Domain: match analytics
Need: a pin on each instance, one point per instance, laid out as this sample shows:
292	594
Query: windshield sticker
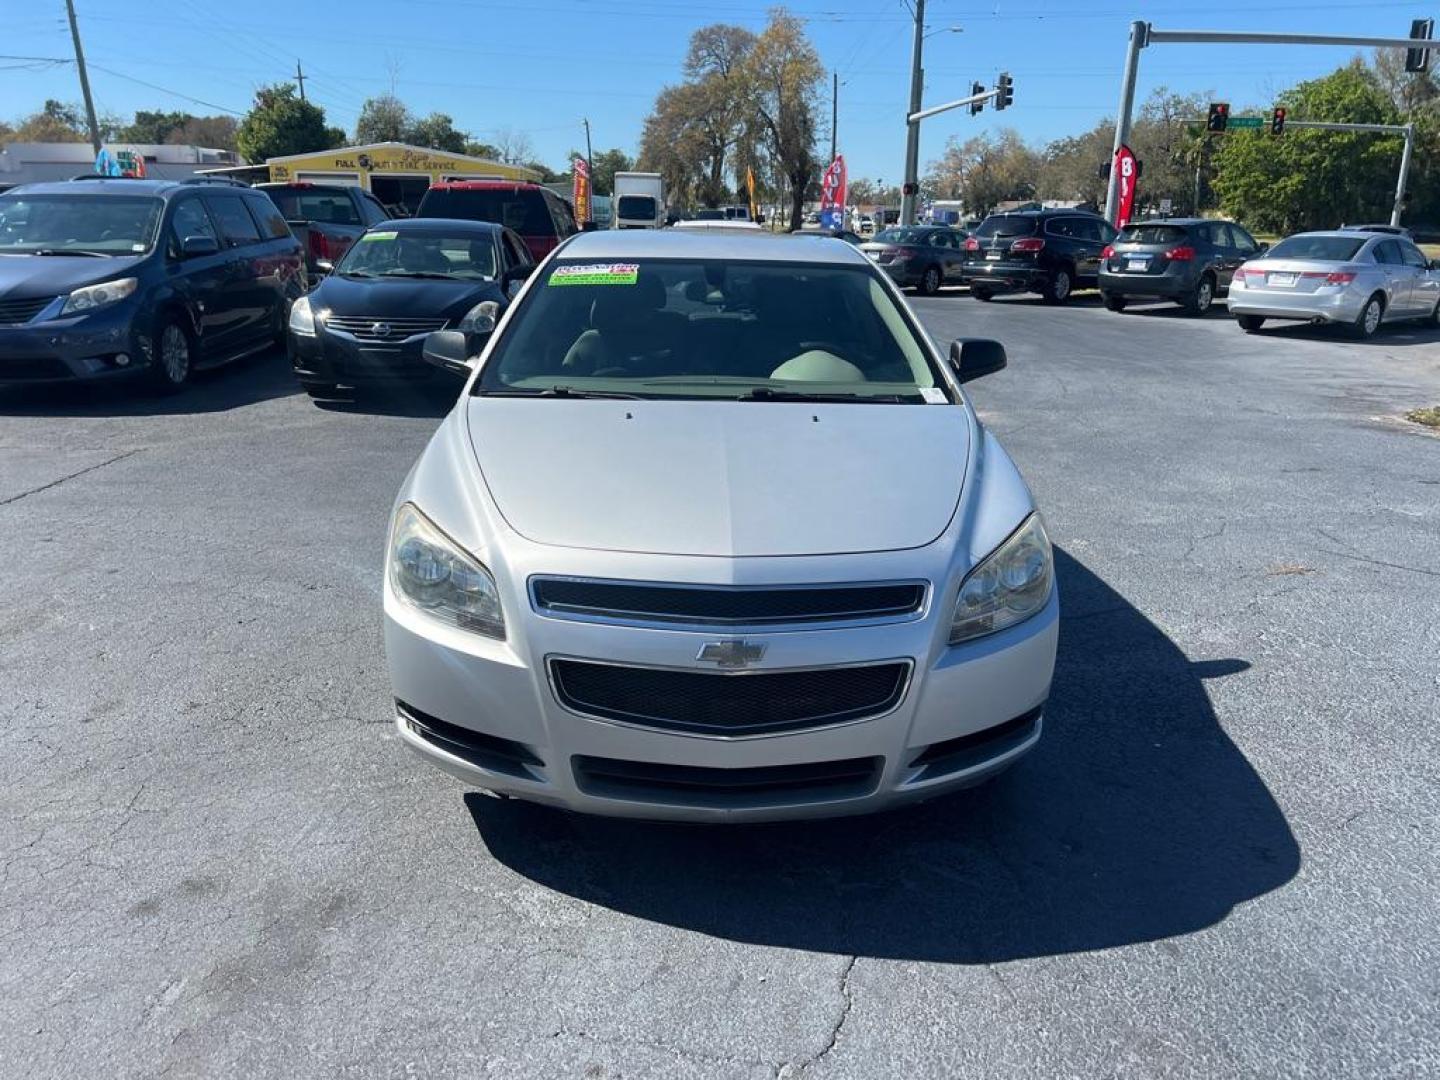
933	395
370	237
596	274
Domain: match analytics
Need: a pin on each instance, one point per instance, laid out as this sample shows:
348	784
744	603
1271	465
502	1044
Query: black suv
1052	252
107	276
1187	260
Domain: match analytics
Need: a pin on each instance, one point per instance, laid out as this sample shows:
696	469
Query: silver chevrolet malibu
713	533
1358	279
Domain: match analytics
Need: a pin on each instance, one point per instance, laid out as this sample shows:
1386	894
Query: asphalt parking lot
1221	862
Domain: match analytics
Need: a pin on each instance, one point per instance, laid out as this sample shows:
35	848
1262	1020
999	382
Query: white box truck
639	201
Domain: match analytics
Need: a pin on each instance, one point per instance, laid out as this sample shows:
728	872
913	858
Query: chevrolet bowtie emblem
731	653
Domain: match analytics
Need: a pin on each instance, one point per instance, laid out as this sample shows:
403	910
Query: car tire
981	294
930	281
1368	321
1434	319
1058	286
1250	323
318	389
1201	298
173	356
1112	302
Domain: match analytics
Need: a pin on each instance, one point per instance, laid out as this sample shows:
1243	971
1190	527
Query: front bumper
336	358
967	712
1335	304
50	349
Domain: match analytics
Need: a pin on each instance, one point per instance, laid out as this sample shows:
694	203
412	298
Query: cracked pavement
216	860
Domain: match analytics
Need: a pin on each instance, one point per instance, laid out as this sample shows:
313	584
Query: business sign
750	191
120	163
582	190
832	194
1125	169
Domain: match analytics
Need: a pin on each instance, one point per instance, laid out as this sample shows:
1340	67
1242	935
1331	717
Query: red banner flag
1125	169
832	194
582	190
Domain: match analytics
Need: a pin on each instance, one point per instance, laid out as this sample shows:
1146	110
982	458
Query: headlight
429	570
481	318
98	296
1008	586
302	320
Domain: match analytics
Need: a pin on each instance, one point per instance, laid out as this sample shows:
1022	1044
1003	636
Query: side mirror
1264	247
1434	264
973	357
193	246
450	350
324	266
514	276
589	226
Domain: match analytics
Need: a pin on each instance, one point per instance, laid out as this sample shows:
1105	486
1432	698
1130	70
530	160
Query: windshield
315	204
1151	234
900	236
636	207
1007	225
1318	248
711	329
710	215
413	253
104	224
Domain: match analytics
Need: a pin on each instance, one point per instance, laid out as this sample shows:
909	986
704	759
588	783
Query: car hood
395	297
25	276
721	478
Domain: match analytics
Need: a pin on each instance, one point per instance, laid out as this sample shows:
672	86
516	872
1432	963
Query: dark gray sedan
1188	260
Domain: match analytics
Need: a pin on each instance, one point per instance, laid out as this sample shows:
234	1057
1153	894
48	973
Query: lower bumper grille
729	703
490	752
688	785
967	751
37	367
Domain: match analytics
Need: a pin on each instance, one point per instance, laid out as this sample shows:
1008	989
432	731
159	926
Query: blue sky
540	65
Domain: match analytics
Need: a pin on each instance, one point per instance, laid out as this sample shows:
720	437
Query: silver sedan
714	533
1356	279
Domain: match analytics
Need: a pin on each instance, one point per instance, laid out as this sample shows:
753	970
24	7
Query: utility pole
590	161
834	112
84	79
300	78
912	135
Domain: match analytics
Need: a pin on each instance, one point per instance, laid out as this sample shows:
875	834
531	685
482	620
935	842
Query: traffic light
1419	59
976	106
1006	87
1219	116
1277	122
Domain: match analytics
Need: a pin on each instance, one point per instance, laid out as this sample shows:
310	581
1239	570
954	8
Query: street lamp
943	30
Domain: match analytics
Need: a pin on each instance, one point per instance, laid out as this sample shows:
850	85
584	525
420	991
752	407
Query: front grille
15	312
691	785
381	327
729	703
628	601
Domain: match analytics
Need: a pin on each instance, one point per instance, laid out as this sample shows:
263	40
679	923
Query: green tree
783	73
436	132
482	150
382	119
605	165
153	127
280	123
55	122
213	131
986	170
1313	179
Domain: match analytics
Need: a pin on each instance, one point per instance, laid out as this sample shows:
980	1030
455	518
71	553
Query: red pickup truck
325	218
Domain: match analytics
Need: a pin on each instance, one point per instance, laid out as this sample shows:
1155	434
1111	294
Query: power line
167	90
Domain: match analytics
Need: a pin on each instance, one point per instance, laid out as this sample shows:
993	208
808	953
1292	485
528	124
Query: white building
27	163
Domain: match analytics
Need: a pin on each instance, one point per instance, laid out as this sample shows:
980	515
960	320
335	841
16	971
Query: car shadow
1161	309
431	399
1085	298
250	381
1389	334
1135	819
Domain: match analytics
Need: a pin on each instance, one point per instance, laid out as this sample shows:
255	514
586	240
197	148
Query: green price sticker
371	237
596	274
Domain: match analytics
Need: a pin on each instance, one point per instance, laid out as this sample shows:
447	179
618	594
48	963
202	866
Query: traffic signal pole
912	132
1142	34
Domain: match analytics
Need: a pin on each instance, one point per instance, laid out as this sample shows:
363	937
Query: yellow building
393	172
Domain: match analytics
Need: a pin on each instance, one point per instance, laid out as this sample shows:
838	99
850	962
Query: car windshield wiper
766	393
357	273
66	251
419	274
560	392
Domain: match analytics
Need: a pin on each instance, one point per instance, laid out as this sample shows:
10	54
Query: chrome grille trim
644	603
364	327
